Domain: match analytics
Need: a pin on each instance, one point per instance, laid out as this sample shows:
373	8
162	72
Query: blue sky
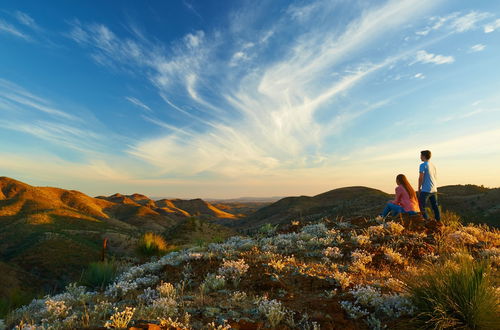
247	98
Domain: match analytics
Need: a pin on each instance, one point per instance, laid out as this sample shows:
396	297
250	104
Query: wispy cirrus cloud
164	68
10	29
48	166
12	93
266	96
24	26
424	57
469	21
27	20
138	103
261	116
304	12
477	48
191	8
455	22
68	136
38	117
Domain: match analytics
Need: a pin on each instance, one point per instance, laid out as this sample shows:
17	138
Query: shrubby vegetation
99	275
455	293
304	275
151	244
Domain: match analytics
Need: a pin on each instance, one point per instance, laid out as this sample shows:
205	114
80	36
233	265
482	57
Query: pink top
403	199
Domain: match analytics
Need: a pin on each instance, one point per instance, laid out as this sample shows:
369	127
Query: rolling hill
49	235
349	201
474	204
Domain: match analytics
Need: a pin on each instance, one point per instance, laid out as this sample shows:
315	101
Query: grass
267	229
16	298
99	274
197	231
151	244
451	219
457	293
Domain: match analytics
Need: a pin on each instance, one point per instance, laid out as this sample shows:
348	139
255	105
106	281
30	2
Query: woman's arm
399	195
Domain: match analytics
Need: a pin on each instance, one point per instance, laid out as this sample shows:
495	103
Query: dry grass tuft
456	293
151	244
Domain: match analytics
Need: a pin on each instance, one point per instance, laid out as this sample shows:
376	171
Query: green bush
98	275
14	299
457	293
151	244
268	229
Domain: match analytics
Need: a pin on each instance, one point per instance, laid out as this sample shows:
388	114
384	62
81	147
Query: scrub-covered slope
329	274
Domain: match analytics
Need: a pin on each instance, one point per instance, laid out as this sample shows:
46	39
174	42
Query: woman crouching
406	200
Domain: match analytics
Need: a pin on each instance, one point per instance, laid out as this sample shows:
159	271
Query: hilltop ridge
352	201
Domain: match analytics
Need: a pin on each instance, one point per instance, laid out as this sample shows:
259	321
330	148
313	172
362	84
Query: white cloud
238	57
488	28
477	48
18	95
194	40
138	103
302	13
455	22
262	118
191	8
419	76
468	21
36	116
107	49
421	33
278	106
12	30
68	136
424	57
27	20
52	169
437	22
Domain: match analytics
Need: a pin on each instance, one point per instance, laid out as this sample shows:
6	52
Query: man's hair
426	154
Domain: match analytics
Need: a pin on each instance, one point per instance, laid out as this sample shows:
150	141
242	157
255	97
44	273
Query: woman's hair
402	180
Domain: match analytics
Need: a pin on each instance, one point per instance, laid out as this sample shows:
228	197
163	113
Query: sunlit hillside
300	262
48	236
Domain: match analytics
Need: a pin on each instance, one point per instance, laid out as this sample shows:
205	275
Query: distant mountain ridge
16	196
177	207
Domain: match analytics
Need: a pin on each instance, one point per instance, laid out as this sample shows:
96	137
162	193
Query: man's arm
420	180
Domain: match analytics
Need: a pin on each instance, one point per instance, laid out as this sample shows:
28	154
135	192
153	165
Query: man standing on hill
427	185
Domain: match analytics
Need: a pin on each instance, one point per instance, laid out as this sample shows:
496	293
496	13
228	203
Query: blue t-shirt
430	183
